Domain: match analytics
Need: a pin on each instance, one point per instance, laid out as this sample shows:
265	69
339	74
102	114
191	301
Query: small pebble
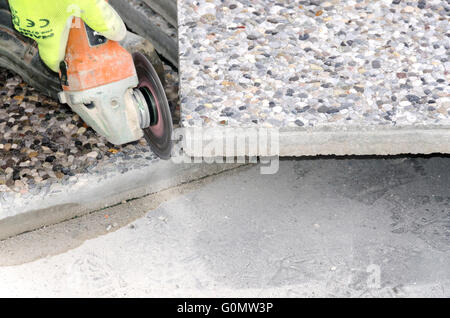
376	64
92	154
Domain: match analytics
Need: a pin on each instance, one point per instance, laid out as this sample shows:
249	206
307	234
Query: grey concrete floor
320	227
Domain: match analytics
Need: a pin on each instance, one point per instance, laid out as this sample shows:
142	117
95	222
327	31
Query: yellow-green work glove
48	22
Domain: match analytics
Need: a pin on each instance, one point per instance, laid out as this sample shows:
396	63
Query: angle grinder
116	93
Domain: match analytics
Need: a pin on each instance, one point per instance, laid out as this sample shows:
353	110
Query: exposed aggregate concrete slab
336	77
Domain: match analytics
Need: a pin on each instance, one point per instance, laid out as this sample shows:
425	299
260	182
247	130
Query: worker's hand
49	22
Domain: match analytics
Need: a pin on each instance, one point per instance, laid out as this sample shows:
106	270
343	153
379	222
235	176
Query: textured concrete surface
320	70
45	144
320	227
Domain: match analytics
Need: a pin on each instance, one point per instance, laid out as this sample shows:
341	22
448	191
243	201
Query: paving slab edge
345	141
95	192
382	142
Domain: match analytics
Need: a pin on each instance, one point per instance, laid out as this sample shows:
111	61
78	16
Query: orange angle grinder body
116	93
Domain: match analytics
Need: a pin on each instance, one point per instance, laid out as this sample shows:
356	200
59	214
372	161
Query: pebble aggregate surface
314	64
45	146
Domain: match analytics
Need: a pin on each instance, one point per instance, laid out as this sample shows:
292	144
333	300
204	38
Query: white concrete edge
94	192
340	142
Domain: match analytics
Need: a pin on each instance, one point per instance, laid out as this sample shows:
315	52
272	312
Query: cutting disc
159	133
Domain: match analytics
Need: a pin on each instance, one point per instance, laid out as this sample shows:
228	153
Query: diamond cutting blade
159	133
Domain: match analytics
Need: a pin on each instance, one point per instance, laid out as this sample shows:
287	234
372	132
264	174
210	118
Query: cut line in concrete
95	192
